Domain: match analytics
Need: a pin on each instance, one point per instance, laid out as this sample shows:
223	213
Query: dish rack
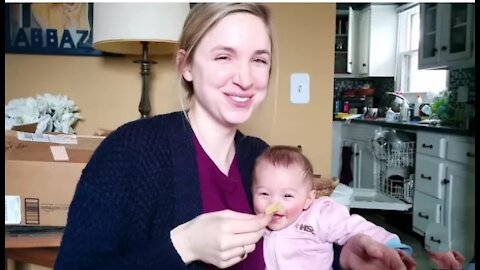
399	155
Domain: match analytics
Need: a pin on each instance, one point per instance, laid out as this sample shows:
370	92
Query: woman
154	194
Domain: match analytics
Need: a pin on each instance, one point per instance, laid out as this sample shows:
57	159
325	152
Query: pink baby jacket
308	242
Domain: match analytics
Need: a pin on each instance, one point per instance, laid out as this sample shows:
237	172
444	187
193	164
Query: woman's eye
260	60
221	58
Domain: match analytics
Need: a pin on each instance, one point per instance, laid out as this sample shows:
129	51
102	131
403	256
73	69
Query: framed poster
49	28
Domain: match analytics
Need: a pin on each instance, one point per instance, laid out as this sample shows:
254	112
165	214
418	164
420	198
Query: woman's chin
237	118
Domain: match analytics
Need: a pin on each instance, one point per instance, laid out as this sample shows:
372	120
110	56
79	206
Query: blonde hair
204	17
285	156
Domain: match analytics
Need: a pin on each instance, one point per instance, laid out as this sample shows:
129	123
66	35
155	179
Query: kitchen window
409	78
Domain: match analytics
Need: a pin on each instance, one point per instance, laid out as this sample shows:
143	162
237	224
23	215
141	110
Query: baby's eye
288	196
263	194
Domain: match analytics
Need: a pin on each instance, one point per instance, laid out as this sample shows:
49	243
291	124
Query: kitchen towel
346	172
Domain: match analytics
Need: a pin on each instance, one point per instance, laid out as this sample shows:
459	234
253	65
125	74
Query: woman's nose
243	76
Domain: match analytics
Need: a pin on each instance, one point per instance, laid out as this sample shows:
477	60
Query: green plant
441	106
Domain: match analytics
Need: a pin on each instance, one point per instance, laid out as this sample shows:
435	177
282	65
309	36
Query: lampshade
119	27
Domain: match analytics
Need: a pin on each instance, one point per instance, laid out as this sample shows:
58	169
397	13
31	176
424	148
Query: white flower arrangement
52	113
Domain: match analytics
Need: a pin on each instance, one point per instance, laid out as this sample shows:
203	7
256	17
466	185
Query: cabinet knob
444	48
445	181
427	146
425	177
434	51
357	154
470	154
435	240
364	65
349	63
422	216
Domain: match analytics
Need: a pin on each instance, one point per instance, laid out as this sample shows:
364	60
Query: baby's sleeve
337	225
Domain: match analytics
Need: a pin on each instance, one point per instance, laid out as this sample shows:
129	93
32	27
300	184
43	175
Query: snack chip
273	208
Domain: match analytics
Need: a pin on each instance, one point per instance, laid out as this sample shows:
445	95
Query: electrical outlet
299	88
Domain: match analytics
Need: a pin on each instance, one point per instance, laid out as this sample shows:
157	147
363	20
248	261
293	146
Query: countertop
411	125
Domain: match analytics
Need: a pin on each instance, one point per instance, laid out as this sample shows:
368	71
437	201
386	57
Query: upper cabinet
377	40
365	46
343	42
446	35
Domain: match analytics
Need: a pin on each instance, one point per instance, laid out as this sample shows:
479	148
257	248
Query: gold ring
244	255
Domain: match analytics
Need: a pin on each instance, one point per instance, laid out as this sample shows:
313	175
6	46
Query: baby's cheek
258	206
295	210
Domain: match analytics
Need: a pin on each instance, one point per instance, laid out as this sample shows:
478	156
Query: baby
303	229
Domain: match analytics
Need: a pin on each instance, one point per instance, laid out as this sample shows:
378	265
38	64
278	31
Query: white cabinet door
429	35
460	208
458	38
352	56
383	40
426	210
377	40
429	174
363	41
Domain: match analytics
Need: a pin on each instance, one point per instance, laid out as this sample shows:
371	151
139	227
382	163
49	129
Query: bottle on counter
346	107
416	106
390	115
336	106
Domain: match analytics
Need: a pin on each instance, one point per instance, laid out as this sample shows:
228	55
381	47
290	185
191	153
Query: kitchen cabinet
446	35
345	41
377	40
444	198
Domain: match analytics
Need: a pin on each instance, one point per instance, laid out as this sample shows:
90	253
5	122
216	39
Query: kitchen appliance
358	102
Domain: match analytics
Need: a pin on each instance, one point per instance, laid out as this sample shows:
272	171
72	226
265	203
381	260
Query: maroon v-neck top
219	192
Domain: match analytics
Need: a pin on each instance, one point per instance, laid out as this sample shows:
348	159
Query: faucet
404	107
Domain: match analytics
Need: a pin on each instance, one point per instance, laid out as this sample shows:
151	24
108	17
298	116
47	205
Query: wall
107	88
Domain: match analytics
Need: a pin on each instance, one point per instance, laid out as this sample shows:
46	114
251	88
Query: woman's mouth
240	99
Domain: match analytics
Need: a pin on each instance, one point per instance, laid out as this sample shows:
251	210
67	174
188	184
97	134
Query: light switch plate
299	88
462	93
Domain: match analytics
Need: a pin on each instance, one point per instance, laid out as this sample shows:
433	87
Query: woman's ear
310	199
182	67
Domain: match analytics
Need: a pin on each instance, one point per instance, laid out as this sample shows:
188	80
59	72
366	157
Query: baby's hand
447	260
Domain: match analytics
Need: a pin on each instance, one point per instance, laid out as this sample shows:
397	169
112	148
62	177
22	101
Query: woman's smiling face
231	68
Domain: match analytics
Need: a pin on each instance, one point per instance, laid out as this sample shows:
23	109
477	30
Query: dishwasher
394	172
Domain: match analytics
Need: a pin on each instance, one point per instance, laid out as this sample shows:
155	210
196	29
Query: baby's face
285	187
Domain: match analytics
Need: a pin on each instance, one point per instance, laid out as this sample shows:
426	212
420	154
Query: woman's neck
216	139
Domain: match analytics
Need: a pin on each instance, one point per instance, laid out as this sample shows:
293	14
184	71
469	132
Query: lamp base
144	106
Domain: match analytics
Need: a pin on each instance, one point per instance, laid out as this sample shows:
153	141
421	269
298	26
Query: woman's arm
110	219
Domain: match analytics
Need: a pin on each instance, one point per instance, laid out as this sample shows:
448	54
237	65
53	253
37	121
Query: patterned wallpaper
380	84
460	77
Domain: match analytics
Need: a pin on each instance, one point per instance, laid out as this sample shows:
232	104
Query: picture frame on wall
50	28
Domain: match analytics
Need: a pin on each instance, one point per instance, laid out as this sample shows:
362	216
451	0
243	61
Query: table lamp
139	28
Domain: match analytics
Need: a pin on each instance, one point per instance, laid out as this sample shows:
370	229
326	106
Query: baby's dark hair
285	156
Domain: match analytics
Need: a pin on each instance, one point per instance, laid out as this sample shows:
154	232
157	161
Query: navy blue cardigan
141	182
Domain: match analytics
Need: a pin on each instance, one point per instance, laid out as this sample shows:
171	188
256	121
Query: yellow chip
273	208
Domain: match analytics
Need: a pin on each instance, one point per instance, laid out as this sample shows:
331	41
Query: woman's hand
363	253
447	260
221	238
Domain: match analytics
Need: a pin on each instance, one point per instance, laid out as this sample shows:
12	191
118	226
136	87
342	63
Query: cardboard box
41	174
